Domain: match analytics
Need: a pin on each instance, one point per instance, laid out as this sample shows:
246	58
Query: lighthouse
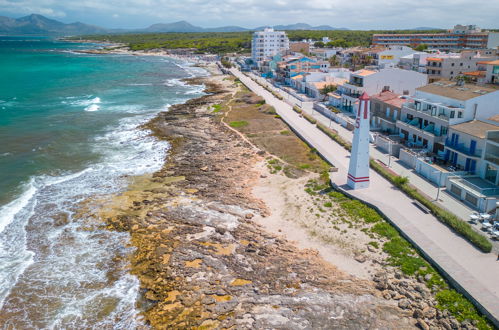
358	171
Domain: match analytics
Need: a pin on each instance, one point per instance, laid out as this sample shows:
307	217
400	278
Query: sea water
69	133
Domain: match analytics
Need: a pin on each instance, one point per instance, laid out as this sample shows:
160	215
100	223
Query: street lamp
389	152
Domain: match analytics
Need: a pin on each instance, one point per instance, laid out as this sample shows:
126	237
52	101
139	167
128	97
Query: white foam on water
92	107
68	280
175	82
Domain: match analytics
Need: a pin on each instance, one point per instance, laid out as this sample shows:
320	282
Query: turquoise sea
69	131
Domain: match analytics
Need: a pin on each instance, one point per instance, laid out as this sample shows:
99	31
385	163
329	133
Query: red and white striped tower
358	171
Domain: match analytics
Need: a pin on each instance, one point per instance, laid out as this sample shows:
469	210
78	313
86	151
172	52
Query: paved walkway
476	272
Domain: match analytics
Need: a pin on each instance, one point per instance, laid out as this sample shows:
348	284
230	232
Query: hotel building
461	37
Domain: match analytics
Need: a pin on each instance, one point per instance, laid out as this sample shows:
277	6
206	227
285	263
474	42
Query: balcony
427	132
475	186
461	148
427	113
493	158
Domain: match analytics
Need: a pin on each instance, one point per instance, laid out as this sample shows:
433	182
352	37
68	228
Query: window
452	72
460	64
459	114
452	114
452	64
443	130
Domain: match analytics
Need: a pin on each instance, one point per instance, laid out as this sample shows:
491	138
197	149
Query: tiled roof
389	97
475	73
475	128
434	59
496	62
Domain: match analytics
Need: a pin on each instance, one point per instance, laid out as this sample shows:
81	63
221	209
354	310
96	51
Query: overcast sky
353	14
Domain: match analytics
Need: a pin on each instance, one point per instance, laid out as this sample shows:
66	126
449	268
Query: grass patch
460	307
285	132
216	108
328	204
304	166
237	124
374	244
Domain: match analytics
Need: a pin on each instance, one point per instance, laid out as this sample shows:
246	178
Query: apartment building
390	57
449	66
474	147
268	43
460	37
416	61
372	82
386	108
433	108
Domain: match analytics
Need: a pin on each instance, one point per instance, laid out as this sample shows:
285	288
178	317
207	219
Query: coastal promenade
476	272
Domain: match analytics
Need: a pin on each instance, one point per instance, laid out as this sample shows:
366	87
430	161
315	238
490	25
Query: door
467	165
472	147
473	166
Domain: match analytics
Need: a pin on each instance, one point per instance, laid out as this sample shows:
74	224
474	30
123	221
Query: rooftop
364	72
496	62
475	128
390	97
451	90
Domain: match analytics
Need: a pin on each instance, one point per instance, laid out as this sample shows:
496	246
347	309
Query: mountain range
40	25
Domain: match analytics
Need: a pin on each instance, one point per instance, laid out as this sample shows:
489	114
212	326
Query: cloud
363	14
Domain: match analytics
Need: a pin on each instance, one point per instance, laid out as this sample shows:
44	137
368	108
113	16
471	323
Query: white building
391	56
415	61
440	104
397	80
268	43
474	147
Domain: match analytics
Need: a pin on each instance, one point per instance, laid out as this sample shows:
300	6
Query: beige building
449	66
386	108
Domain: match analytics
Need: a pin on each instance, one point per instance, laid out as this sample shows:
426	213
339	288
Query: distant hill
38	24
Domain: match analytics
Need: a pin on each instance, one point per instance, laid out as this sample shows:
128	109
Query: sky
358	14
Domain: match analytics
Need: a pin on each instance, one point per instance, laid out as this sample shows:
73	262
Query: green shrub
303	166
374	244
334	136
311	119
328	204
297	109
237	124
286	132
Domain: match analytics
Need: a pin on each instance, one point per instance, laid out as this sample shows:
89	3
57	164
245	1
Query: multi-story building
460	37
391	55
386	108
372	82
416	61
449	66
473	147
268	43
492	72
425	121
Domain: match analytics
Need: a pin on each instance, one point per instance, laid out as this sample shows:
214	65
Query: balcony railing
493	158
463	149
473	188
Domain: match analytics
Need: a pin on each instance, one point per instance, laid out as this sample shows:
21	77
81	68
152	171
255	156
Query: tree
338	43
319	44
355	60
327	89
421	47
333	61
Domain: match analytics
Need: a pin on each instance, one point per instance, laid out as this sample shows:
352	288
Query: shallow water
69	131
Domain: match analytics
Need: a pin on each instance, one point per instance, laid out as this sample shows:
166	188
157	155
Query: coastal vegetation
400	253
235	42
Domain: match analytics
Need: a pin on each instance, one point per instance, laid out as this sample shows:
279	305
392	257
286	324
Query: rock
360	258
445	324
263	176
430	312
420	288
387	295
417	314
404	303
381	285
422	324
204	168
371	248
454	323
249	216
404	284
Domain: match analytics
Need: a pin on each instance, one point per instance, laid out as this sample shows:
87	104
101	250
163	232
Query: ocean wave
92	107
175	82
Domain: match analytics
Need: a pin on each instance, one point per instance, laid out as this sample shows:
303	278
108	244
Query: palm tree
333	61
327	89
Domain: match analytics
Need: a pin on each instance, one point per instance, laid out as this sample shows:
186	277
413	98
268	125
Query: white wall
399	81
